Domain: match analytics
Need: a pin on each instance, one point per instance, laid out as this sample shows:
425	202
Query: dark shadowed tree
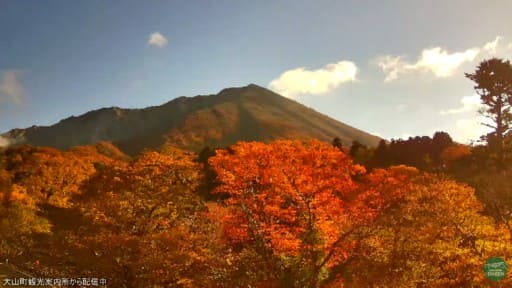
360	153
355	148
493	80
208	183
336	142
440	142
381	156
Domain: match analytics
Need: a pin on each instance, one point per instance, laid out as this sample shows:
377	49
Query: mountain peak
241	88
254	86
248	113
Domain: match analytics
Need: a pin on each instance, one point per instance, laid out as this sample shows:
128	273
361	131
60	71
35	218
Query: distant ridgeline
423	152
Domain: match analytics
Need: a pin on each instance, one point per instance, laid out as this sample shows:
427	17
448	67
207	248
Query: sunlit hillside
249	113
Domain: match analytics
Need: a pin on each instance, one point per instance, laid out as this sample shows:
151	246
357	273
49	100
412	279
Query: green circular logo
495	268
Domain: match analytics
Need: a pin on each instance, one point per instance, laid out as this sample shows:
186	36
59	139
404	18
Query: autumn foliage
298	206
283	214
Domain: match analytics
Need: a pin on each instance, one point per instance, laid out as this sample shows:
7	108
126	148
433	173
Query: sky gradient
392	68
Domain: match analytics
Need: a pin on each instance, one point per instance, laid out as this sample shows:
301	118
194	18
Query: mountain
250	113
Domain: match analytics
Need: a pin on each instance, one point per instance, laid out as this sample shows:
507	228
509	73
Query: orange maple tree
147	225
49	175
297	205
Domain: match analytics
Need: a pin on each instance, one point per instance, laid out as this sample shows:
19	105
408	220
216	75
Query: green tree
493	80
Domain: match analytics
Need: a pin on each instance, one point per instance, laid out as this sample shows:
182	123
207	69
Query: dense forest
418	212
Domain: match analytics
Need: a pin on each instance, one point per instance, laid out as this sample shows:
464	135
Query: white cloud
10	87
470	129
490	47
469	104
435	60
443	64
157	39
299	81
392	66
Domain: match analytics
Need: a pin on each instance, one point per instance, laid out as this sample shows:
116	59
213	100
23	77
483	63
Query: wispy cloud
11	88
470	129
436	60
392	66
298	81
469	104
490	47
157	39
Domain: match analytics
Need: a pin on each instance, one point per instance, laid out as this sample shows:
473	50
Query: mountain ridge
249	113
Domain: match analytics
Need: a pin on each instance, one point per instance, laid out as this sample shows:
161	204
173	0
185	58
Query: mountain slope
235	114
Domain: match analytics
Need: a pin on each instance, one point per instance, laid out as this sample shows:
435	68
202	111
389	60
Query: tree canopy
493	82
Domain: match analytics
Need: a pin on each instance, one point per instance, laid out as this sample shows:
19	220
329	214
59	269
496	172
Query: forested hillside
284	214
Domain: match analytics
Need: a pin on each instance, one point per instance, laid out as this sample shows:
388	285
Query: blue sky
393	68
